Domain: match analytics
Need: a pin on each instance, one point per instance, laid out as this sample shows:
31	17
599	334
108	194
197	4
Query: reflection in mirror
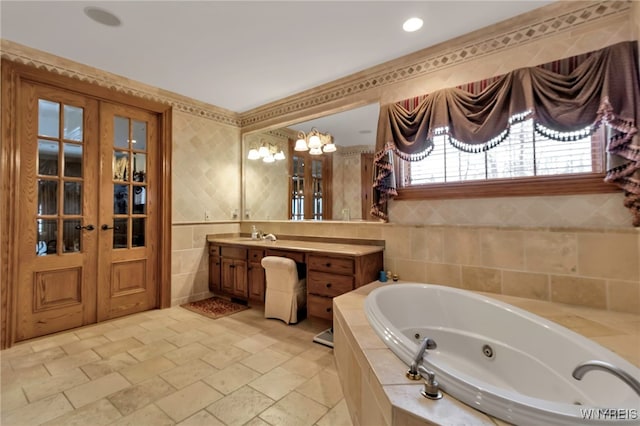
47	158
72	160
267	188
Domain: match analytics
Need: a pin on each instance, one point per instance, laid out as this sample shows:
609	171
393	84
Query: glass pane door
60	178
129	165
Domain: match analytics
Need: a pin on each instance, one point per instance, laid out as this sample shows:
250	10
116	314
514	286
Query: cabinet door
228	275
214	274
240	278
256	281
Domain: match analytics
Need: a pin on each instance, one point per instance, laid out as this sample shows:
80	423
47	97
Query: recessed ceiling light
412	24
102	16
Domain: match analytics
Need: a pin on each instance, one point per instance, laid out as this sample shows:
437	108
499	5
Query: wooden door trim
12	75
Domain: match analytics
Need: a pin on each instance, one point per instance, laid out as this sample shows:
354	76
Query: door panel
128	212
57	211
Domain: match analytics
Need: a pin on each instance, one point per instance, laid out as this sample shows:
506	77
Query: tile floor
173	366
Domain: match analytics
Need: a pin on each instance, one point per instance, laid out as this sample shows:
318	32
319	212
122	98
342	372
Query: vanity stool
285	292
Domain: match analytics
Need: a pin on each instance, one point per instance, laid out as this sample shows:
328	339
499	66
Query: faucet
269	237
580	370
431	386
427	343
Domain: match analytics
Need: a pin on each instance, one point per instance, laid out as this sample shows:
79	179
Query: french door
87	211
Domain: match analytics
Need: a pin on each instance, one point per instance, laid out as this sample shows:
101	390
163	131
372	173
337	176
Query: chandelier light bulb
301	145
330	147
269	158
253	154
314	141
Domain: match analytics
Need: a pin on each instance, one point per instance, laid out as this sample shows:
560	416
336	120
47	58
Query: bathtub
500	359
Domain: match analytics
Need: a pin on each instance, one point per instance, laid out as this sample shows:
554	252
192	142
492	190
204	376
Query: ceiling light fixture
102	16
315	142
412	24
267	152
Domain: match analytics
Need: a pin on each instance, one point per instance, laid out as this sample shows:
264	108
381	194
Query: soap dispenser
254	232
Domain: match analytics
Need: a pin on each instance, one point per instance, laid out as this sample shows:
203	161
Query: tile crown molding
432	59
25	55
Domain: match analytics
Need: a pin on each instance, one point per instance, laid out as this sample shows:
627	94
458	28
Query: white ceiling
240	54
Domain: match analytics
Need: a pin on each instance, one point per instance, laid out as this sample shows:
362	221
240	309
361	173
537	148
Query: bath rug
214	307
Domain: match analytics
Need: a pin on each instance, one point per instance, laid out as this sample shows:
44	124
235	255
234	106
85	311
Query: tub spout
581	370
427	343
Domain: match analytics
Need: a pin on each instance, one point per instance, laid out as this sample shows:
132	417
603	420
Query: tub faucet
427	343
431	386
580	371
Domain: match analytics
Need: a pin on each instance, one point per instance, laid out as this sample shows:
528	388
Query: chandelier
267	152
315	142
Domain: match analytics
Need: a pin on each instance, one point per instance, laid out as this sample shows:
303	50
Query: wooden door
58	235
128	211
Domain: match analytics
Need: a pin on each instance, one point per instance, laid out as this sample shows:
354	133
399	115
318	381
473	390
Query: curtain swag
603	88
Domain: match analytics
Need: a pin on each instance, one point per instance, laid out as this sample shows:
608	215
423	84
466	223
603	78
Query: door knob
88	227
105	227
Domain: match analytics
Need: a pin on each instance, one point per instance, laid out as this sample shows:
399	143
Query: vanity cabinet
329	276
215	267
256	276
234	271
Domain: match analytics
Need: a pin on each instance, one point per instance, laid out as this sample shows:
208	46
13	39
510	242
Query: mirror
267	186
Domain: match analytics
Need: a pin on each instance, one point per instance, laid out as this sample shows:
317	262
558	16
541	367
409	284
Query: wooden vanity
332	268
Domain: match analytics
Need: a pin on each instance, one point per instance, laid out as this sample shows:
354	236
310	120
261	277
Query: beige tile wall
189	260
206	169
598	268
266	185
346	183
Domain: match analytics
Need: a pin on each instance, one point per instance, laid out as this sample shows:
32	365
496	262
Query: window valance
603	88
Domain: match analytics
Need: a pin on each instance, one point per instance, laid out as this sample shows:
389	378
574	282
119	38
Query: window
525	156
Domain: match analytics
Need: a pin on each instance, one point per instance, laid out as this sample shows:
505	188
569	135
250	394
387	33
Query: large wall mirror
280	183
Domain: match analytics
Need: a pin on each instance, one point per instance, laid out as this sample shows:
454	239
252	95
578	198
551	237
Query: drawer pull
328	264
328	309
328	285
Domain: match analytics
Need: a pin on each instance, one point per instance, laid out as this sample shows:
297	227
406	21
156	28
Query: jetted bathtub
500	359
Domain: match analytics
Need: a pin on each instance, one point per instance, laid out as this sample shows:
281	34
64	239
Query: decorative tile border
391	73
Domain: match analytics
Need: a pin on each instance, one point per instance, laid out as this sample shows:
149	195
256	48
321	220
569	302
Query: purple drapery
566	96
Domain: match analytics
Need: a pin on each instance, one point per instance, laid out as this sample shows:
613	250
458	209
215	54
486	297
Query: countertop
300	245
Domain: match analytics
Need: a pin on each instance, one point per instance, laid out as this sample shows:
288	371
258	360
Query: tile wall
347	182
598	268
266	185
189	259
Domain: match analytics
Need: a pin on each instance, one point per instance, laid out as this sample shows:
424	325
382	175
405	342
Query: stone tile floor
173	366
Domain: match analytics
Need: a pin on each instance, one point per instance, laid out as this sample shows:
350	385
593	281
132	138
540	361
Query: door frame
11	77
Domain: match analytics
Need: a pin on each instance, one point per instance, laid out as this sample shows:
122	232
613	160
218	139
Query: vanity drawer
320	307
330	285
214	250
255	255
234	252
336	265
293	255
